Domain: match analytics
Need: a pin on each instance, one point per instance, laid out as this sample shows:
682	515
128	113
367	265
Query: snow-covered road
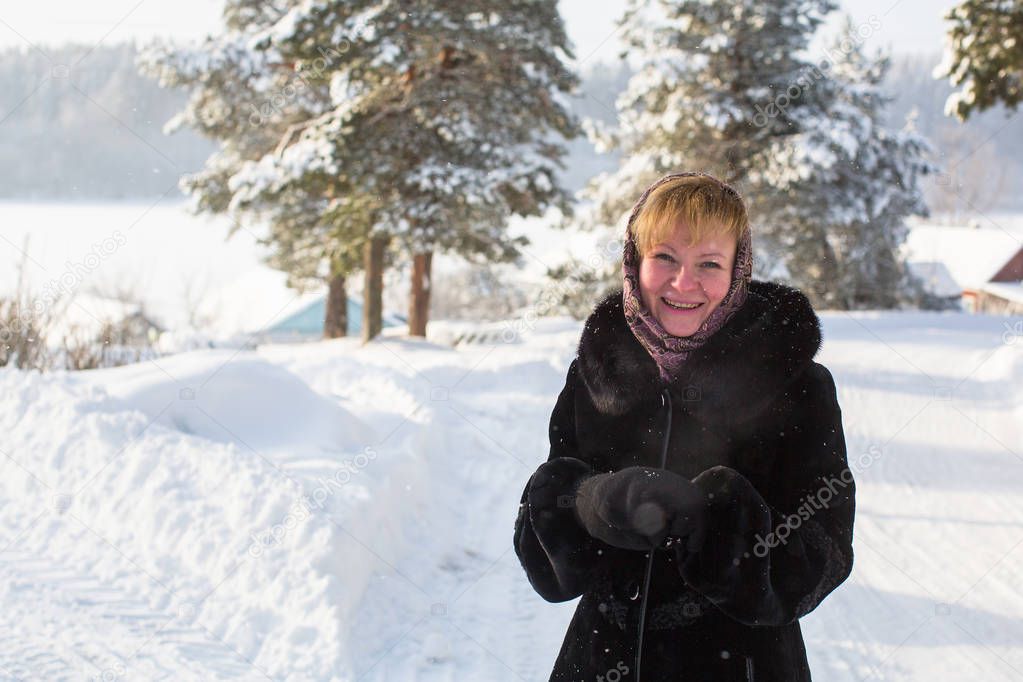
338	512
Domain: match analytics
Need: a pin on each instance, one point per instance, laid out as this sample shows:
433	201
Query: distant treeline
81	123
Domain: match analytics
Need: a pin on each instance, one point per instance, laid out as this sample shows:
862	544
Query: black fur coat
756	424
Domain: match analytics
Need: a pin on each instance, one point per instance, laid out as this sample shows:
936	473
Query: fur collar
735	375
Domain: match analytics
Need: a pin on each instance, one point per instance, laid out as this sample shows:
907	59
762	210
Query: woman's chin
680	325
681	331
677	328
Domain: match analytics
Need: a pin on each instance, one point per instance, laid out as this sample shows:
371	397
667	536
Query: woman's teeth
681	306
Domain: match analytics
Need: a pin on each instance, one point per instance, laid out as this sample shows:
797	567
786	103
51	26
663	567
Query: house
307	323
985	265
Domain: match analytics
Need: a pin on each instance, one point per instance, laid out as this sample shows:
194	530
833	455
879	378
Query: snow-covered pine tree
718	84
434	119
984	56
248	98
846	186
424	123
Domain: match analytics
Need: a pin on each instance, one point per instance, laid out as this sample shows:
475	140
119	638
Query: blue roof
309	320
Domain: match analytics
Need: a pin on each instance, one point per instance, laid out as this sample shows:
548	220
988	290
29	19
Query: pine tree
984	56
846	186
425	124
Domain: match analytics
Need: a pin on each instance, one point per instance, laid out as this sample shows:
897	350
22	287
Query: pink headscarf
670	352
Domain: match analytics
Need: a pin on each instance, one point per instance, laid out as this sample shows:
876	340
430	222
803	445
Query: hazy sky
905	25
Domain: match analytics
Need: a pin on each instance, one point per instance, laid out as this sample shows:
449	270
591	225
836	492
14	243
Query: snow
87	314
335	511
973	255
246	391
271	173
1010	291
165	252
937	277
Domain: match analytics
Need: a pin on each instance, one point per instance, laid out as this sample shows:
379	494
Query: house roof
972	255
309	320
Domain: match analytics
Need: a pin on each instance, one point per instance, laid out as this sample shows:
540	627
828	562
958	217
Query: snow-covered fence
456	333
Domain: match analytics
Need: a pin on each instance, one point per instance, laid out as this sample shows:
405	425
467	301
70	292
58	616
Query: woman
697	493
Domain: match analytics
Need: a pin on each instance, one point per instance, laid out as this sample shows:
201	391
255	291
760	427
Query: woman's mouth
679	307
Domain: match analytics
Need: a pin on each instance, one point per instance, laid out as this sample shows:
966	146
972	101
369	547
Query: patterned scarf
670	352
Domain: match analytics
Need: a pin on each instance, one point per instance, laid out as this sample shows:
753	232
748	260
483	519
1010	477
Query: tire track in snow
59	624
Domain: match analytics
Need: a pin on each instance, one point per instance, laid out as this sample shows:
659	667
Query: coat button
632	590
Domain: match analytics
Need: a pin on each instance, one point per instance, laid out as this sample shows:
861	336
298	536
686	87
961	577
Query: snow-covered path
457	602
154	524
933	407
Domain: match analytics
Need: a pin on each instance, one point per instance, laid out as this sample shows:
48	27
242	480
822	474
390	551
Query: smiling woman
687	265
686	234
693	423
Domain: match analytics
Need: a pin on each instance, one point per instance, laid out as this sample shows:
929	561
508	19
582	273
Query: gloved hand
639	507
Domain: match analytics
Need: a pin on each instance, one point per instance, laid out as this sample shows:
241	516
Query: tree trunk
335	323
419	296
373	290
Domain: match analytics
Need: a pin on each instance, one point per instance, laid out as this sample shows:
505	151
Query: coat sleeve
769	560
555	550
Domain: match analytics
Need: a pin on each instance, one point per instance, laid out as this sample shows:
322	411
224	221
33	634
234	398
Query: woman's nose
685	280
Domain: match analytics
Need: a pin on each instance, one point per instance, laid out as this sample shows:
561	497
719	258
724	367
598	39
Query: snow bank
231	396
220	489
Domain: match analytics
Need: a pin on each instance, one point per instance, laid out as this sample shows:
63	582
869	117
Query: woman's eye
711	264
665	257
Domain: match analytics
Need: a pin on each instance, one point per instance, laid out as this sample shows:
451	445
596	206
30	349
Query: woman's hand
638	507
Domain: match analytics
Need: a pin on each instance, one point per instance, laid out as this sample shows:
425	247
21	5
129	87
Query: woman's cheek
721	285
649	278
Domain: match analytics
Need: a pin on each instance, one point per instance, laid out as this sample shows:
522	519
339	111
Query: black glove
638	507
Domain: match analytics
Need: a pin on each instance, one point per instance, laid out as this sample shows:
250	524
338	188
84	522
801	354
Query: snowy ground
338	512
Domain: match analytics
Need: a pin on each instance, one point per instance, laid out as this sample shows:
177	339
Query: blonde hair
701	201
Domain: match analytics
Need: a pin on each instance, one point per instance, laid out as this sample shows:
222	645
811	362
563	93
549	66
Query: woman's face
673	275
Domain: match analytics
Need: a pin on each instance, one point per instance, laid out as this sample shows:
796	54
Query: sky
904	26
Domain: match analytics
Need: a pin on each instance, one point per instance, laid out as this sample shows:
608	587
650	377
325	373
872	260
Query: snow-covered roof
936	277
972	254
1010	291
